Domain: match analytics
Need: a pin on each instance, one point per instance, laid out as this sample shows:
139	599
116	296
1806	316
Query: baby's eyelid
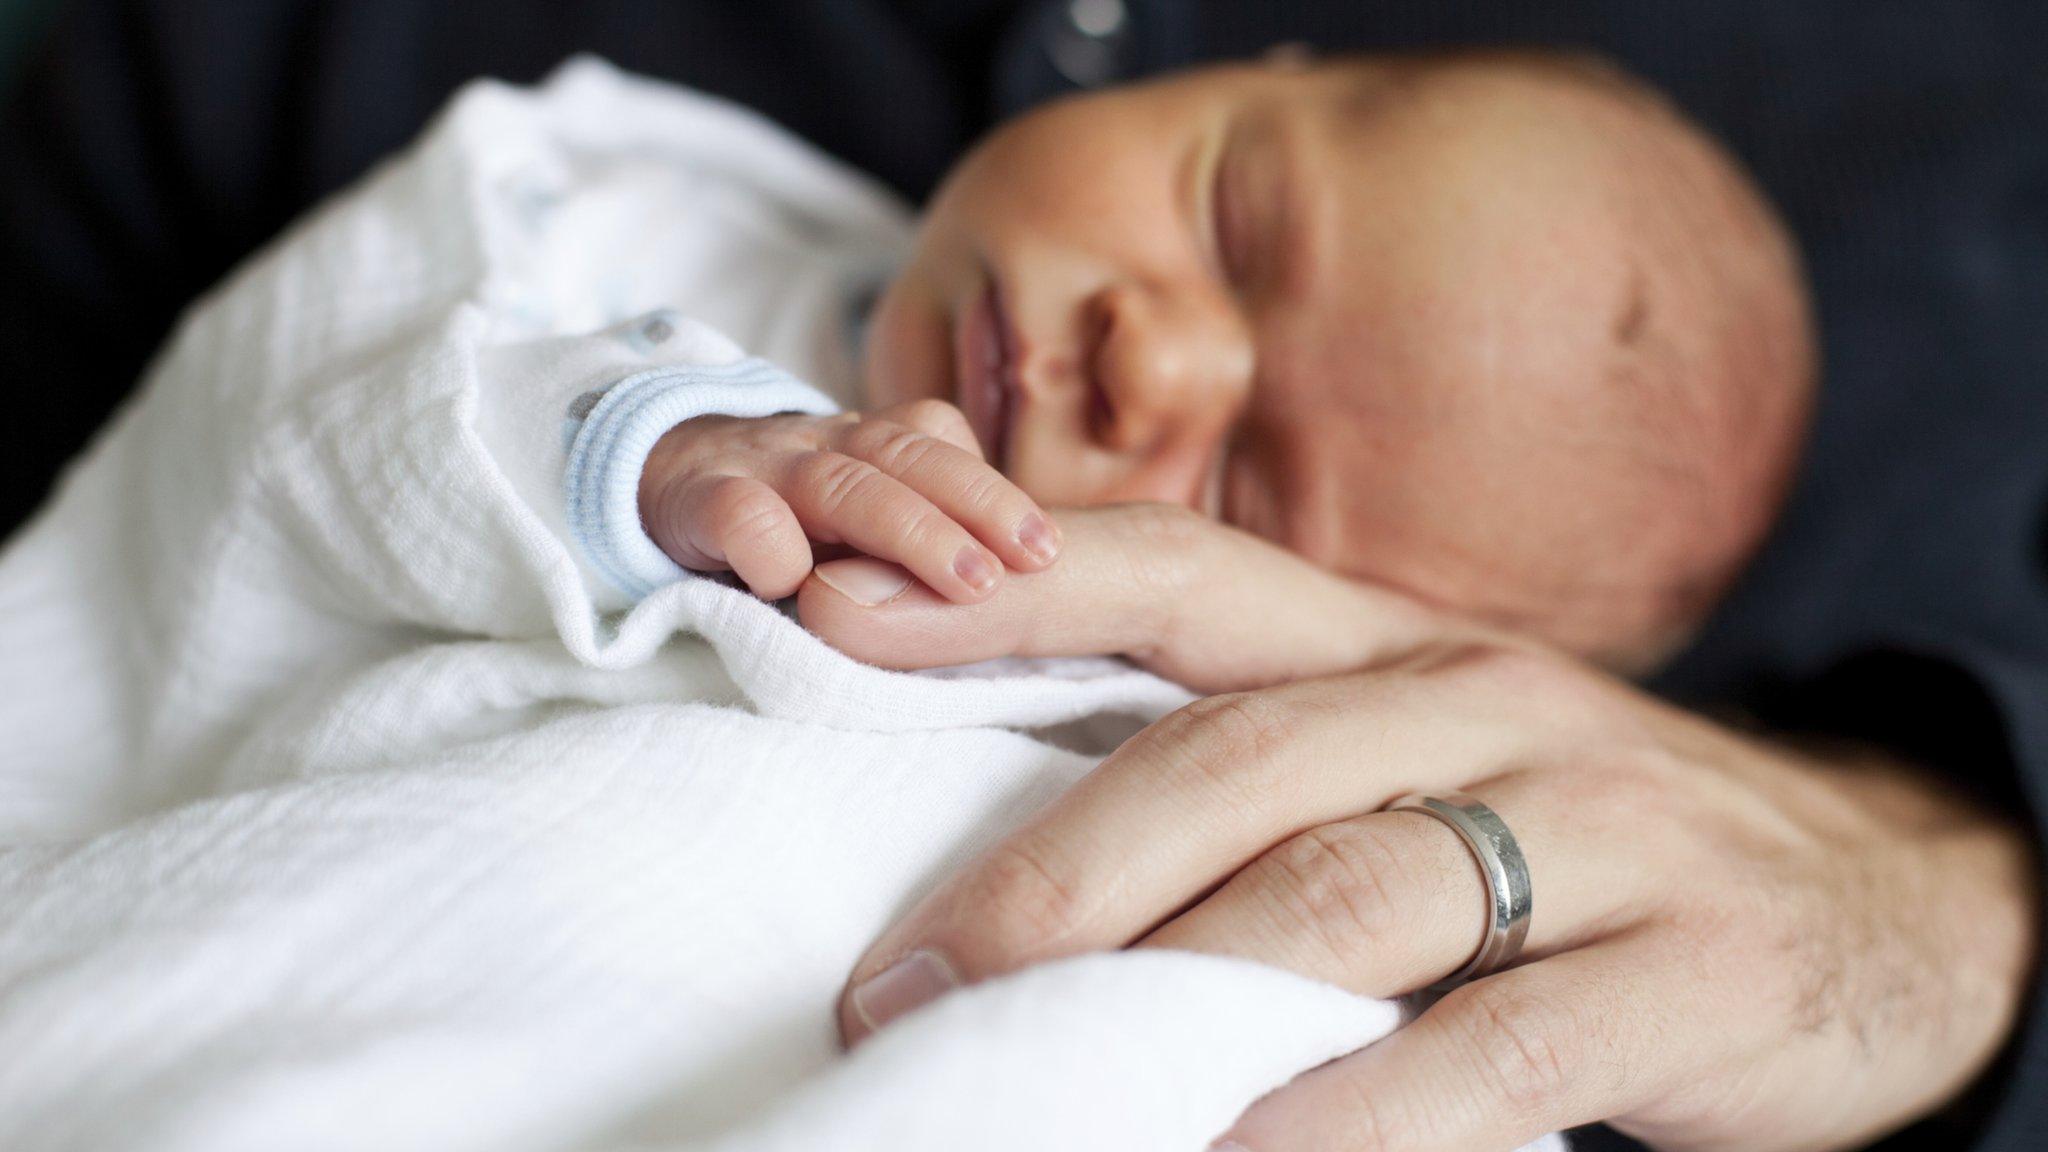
1207	172
1243	201
1222	230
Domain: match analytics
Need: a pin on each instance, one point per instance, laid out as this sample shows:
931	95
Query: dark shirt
152	143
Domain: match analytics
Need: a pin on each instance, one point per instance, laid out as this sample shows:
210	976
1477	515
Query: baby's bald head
1694	401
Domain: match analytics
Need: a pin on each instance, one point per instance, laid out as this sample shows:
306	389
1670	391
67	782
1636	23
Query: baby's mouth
987	363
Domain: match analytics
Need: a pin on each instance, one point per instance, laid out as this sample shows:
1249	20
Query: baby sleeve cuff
611	431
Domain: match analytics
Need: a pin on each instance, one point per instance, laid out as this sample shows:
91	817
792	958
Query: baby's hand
906	484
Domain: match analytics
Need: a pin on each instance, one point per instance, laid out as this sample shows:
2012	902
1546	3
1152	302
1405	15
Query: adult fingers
840	499
1579	1037
1184	804
1196	601
1389	902
716	522
1093	602
960	483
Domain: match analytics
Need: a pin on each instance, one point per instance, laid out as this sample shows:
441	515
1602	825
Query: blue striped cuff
610	432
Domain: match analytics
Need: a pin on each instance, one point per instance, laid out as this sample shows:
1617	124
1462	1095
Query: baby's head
1502	331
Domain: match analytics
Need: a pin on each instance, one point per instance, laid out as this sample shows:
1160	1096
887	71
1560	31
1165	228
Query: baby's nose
1162	362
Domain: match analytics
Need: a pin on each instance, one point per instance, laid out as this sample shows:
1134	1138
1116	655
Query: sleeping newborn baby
379	775
1503	332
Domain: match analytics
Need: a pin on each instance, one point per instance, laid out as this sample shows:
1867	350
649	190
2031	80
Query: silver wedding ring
1506	871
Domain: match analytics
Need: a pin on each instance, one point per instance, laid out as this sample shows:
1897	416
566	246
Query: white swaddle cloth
345	810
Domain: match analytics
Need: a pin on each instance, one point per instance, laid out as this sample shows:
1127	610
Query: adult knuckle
1368	1121
1504	667
1568	699
1252	725
1230	742
1644	784
1716	935
1527	1050
1023	885
1341	882
1500	667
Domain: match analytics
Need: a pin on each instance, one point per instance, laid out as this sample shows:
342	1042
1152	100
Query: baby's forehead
1516	111
1457	205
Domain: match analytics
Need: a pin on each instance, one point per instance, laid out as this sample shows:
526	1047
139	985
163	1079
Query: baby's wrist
613	437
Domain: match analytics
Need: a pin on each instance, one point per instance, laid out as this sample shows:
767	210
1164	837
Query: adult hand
1735	944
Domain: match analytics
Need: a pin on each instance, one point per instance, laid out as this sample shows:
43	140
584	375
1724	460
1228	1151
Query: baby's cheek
1056	489
908	350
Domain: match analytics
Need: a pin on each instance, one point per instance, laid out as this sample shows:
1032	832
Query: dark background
147	145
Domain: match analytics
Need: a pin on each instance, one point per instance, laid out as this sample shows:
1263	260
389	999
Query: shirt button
646	334
581	407
1088	44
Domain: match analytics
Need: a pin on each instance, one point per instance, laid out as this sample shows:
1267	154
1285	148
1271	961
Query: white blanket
343	811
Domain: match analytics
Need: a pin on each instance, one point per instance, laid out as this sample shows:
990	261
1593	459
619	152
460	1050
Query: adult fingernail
970	565
865	581
912	982
1039	538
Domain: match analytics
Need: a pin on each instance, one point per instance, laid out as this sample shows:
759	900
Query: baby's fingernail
864	581
970	565
1039	538
1228	1146
912	982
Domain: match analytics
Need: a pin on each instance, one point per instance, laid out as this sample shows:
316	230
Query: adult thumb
1097	599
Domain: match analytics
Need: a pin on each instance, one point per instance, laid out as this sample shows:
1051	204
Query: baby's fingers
840	499
712	523
917	445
